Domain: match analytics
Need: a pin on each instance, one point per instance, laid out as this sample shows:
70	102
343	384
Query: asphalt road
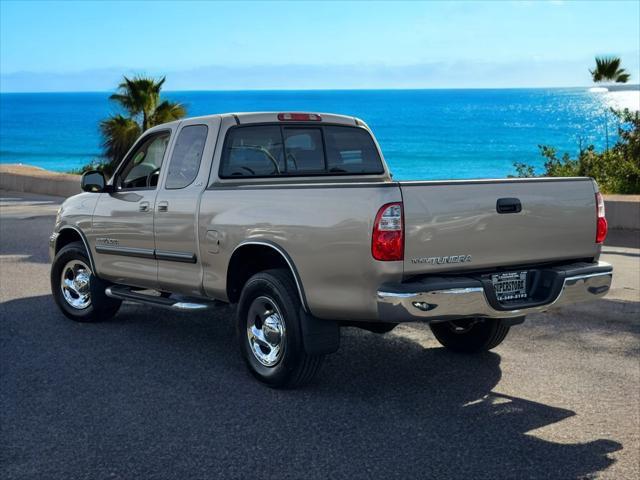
153	394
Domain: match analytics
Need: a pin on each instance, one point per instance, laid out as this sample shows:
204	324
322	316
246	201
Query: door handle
143	206
508	205
163	206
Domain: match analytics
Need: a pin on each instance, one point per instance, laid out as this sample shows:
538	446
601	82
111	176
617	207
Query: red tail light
299	117
601	226
388	233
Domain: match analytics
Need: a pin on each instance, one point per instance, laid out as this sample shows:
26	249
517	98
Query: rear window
279	150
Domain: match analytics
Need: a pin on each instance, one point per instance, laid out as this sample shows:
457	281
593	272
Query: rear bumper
448	298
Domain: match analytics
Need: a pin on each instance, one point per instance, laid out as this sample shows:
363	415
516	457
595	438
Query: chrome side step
183	304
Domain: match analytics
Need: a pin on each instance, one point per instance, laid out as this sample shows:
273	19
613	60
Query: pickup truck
295	218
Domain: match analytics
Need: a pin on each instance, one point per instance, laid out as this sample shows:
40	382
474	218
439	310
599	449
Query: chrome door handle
144	206
163	206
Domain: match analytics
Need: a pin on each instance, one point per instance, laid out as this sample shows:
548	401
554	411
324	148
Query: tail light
601	228
299	117
388	233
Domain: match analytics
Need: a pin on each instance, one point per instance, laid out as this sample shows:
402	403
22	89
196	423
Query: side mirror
93	181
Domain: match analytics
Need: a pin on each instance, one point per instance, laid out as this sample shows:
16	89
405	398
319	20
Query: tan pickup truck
295	218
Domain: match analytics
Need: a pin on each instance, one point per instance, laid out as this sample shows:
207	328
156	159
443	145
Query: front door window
142	167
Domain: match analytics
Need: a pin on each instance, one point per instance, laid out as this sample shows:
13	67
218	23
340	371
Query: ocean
424	134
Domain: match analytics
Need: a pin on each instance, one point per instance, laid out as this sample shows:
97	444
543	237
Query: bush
617	170
103	166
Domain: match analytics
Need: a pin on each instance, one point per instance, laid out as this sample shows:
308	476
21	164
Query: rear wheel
269	331
470	335
76	290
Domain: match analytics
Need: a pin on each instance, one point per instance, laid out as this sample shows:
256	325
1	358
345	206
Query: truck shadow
439	414
150	388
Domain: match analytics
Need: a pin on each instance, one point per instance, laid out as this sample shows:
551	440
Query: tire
83	299
269	331
470	335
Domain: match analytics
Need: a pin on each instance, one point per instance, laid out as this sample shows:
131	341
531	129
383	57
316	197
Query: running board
184	304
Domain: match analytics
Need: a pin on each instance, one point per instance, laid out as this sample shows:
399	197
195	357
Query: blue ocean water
424	134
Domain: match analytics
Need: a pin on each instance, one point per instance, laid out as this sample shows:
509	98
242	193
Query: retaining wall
623	211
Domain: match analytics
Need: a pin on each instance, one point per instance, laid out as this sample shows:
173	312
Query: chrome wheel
74	284
266	331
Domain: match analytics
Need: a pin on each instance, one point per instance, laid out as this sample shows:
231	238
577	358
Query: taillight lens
388	233
601	226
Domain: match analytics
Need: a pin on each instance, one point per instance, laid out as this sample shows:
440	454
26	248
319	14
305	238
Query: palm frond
608	69
167	112
623	77
119	133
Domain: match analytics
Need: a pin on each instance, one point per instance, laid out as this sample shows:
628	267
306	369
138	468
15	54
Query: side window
304	151
253	151
186	157
143	165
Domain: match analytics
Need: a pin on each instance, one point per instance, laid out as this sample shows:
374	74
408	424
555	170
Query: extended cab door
122	232
177	205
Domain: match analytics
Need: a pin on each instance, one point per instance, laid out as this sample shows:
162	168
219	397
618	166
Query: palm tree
140	98
608	70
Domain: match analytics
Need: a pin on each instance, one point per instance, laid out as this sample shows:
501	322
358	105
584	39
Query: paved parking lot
154	394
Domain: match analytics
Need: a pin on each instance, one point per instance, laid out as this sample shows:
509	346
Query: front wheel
76	290
470	335
269	331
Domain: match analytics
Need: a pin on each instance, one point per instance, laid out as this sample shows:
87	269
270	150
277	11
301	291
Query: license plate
510	286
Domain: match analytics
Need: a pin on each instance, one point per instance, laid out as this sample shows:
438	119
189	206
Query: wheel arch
69	234
253	256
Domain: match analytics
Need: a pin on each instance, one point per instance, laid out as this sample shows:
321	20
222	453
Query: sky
88	46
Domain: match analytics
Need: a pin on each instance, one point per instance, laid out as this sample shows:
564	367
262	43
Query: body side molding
126	251
147	253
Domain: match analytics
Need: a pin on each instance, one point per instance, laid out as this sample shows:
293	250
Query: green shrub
103	166
617	170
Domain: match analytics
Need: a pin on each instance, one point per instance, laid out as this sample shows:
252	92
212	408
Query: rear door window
186	156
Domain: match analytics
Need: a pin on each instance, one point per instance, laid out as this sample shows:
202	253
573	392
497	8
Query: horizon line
621	87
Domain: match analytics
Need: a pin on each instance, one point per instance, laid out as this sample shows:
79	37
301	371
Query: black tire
100	307
470	335
276	290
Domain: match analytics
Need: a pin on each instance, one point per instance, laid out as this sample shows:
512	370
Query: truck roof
268	117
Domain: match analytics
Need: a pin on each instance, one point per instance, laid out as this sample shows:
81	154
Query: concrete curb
623	211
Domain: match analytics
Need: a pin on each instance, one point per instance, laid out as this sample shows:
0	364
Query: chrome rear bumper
473	297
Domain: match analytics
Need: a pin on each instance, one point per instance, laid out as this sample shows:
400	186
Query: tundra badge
441	260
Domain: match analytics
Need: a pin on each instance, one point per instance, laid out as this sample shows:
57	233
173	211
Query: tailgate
455	225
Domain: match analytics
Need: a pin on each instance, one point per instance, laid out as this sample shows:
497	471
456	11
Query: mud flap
319	337
510	322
